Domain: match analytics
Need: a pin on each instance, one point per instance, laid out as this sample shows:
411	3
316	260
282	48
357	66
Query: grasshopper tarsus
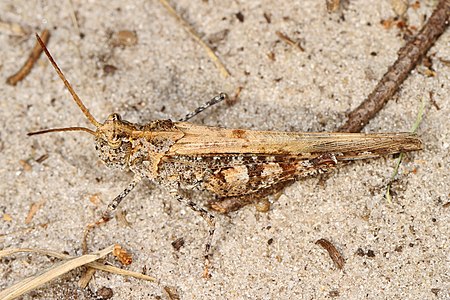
110	210
210	220
219	98
112	206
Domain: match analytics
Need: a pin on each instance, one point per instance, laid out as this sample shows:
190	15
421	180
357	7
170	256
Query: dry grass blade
73	16
36	281
86	277
11	251
289	41
191	31
400	158
94	264
119	271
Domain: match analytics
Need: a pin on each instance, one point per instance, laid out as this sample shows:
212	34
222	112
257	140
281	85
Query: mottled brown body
234	163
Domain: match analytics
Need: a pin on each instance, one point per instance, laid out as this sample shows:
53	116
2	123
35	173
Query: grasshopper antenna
74	96
63	129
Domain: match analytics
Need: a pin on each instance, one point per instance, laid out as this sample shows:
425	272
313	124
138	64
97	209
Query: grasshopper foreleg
111	209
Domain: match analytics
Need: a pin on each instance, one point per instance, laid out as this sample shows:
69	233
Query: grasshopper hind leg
210	220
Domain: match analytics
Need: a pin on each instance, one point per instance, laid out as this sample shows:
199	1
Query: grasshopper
236	166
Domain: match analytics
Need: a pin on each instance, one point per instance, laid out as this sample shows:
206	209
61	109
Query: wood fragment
262	205
336	257
178	243
332	5
223	70
433	102
408	57
33	210
445	61
12	29
105	293
124	38
235	98
25	165
268	17
42	158
171	293
289	41
34	55
122	255
86	277
400	7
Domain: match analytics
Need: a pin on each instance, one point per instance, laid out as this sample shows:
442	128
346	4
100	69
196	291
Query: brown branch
34	55
335	256
408	58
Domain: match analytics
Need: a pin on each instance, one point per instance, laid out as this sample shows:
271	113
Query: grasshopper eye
115	142
114	117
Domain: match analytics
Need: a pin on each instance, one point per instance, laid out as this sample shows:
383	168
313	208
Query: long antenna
63	129
68	86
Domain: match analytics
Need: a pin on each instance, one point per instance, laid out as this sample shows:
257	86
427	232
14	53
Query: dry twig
191	31
73	16
289	41
34	55
333	252
69	264
400	158
408	58
36	281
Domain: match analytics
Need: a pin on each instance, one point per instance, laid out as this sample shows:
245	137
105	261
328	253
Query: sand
395	250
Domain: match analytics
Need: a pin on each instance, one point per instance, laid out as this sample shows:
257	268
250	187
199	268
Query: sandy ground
396	250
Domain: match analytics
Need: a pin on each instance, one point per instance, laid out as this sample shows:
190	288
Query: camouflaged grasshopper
235	166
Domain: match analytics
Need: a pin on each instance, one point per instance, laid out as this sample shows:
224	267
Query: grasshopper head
113	142
112	137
